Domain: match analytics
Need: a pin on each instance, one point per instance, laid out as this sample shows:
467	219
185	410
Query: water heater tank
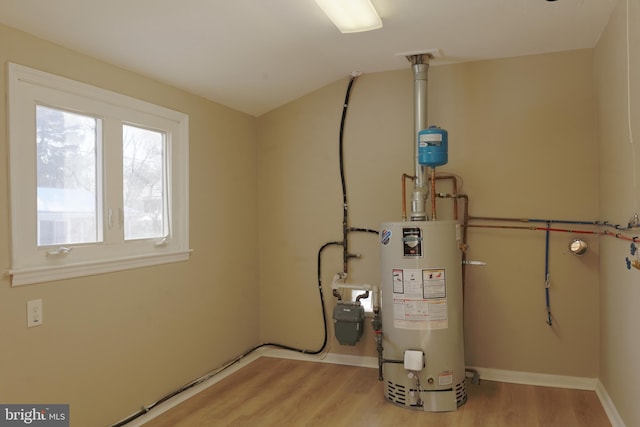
433	147
421	304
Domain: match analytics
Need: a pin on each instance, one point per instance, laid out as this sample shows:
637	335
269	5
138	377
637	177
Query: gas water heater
421	342
421	304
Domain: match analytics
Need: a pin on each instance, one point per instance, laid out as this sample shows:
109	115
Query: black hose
322	304
345	205
363	230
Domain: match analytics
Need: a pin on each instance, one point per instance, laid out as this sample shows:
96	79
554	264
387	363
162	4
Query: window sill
30	276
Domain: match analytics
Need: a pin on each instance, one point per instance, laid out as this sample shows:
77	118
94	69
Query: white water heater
422	315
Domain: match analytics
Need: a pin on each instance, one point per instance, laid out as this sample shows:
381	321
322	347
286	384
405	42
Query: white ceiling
255	55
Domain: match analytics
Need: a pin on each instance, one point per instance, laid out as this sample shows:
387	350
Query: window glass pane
66	177
144	192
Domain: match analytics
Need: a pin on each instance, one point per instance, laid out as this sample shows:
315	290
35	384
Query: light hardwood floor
283	392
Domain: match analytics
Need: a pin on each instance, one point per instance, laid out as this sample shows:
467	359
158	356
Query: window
143	183
66	157
99	180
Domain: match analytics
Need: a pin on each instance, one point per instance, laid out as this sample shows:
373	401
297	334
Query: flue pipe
420	66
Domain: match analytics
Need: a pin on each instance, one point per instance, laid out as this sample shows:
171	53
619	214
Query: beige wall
112	343
522	135
619	200
529	125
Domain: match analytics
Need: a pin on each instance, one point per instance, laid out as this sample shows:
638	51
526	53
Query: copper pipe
635	239
433	194
534	228
535	220
465	218
508	227
465	222
465	225
491	218
454	190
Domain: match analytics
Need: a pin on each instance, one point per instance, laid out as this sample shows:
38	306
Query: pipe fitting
418	205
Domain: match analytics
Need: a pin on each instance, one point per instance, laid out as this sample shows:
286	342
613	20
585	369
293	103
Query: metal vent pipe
420	66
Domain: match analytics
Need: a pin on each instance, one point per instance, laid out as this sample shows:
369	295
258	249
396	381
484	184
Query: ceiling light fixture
351	16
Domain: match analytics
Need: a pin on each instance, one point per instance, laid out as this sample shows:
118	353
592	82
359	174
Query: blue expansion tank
433	147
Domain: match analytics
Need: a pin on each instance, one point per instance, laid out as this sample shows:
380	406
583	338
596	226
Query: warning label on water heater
420	299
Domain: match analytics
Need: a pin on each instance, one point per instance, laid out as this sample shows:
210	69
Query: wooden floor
282	392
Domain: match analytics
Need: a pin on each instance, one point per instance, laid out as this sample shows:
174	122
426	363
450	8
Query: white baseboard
609	407
546	380
578	383
337	359
529	378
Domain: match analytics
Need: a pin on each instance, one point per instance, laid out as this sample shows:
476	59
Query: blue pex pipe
546	274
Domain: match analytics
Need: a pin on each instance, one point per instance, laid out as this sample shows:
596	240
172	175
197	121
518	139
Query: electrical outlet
34	313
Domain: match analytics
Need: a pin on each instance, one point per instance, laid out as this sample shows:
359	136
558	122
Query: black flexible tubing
322	304
345	205
362	230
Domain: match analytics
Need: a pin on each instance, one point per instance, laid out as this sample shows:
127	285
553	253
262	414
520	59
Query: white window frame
27	88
